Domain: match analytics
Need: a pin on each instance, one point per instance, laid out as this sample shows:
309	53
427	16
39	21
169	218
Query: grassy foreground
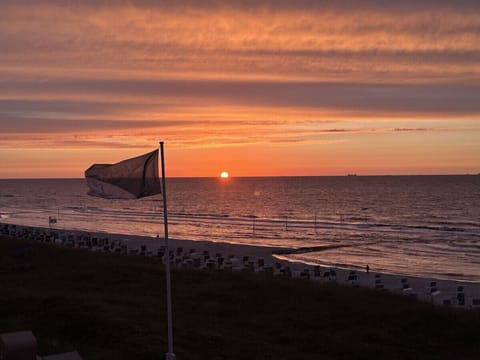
110	306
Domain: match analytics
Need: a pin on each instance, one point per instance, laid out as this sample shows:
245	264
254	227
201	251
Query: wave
258	223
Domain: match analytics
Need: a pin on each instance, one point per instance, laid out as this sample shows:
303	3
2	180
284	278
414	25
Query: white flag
128	179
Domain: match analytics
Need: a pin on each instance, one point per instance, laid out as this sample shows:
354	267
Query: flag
128	179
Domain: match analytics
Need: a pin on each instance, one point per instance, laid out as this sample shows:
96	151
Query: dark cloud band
436	98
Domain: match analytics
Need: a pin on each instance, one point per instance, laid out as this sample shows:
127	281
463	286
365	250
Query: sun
224	175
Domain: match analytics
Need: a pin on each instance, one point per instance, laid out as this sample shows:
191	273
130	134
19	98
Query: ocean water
411	225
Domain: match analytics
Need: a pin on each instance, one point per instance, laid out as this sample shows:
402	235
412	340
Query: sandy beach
238	257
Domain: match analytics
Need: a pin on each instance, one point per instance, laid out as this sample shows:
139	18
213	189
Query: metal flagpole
170	354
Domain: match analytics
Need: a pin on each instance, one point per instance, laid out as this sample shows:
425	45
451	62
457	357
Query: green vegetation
109	306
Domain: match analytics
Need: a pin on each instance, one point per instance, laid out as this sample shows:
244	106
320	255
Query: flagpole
170	354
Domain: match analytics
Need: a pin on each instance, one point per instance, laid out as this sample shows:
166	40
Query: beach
271	259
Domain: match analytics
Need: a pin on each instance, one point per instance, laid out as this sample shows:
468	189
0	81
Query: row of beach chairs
194	258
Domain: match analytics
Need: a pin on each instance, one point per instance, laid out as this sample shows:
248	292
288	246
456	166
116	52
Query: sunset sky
253	87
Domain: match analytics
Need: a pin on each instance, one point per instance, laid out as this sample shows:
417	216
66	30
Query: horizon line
256	176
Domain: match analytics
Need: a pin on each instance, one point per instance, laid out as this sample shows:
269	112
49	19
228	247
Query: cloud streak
434	98
51	126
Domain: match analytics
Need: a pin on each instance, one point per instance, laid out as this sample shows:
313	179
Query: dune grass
109	306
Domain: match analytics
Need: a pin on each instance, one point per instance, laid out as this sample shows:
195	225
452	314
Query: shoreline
238	257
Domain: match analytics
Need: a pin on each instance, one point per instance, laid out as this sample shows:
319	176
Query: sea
426	226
